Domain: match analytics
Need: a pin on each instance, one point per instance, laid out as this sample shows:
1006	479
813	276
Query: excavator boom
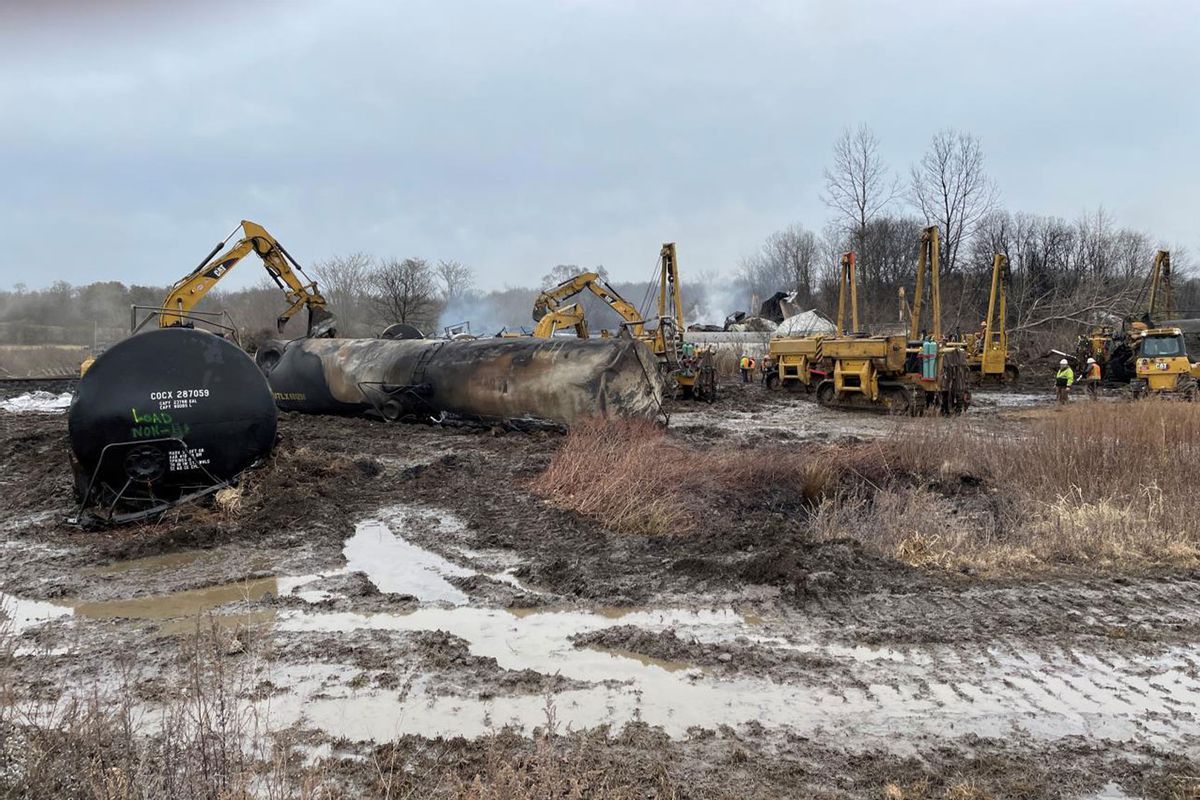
551	300
283	269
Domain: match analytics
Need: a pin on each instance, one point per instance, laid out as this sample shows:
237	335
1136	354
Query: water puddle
182	610
18	615
158	563
874	696
396	566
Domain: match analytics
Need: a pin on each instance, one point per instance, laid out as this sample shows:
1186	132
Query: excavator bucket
321	323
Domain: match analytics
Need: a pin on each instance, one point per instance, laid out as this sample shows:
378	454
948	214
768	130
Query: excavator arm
551	300
283	269
566	317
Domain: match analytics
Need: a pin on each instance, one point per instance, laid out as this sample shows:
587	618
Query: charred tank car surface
516	381
163	416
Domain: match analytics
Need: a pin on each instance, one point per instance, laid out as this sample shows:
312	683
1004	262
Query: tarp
805	324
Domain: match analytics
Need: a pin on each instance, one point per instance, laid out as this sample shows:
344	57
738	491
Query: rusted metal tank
549	380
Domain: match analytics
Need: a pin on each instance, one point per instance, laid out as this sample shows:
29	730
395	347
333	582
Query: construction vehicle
1162	366
1150	357
691	368
899	374
559	319
988	356
178	308
796	361
1161	362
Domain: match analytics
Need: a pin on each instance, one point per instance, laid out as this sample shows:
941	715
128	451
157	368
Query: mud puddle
874	697
396	566
18	615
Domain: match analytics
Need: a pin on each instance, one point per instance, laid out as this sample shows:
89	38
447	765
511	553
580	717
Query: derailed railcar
505	380
164	416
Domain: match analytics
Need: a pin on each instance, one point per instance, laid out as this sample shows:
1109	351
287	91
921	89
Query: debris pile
37	402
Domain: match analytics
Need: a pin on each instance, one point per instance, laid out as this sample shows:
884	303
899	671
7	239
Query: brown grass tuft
1103	485
633	478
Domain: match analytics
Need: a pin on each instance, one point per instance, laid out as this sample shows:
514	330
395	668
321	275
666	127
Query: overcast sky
517	135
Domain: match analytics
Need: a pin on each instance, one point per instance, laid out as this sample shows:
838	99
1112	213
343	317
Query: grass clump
1094	485
633	478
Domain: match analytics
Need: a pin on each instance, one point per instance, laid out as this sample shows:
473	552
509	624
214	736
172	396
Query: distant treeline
1063	275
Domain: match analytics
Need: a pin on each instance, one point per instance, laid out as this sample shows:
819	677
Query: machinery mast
848	286
929	258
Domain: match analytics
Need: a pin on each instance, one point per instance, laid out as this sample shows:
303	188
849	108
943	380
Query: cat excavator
301	292
690	367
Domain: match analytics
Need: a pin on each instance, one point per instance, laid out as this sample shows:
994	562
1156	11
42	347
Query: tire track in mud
1112	658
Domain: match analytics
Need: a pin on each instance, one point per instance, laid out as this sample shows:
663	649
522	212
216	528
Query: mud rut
950	672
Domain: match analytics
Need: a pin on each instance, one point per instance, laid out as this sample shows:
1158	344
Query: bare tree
345	281
786	261
951	190
454	278
405	291
564	272
858	185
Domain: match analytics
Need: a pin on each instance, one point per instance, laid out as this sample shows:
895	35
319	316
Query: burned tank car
517	381
167	413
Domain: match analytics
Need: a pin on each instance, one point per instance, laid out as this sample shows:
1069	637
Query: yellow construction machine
796	361
1161	363
178	308
690	367
1151	357
560	319
988	356
899	374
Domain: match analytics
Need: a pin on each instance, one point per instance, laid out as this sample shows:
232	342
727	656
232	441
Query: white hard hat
1062	363
1091	361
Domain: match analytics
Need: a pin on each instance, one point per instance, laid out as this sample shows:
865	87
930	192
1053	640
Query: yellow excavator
1162	365
690	367
301	292
1151	357
551	316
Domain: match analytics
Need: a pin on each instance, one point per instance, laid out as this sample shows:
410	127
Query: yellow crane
301	292
797	362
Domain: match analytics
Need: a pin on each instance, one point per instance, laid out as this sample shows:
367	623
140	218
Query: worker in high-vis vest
1063	381
1091	378
747	367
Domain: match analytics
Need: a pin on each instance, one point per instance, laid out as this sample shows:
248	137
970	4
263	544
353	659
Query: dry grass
1101	485
633	478
1095	485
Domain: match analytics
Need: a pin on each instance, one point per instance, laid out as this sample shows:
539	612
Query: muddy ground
397	589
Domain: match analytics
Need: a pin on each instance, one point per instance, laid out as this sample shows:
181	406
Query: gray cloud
519	135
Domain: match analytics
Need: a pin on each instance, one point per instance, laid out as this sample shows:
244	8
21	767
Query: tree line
365	293
1061	273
